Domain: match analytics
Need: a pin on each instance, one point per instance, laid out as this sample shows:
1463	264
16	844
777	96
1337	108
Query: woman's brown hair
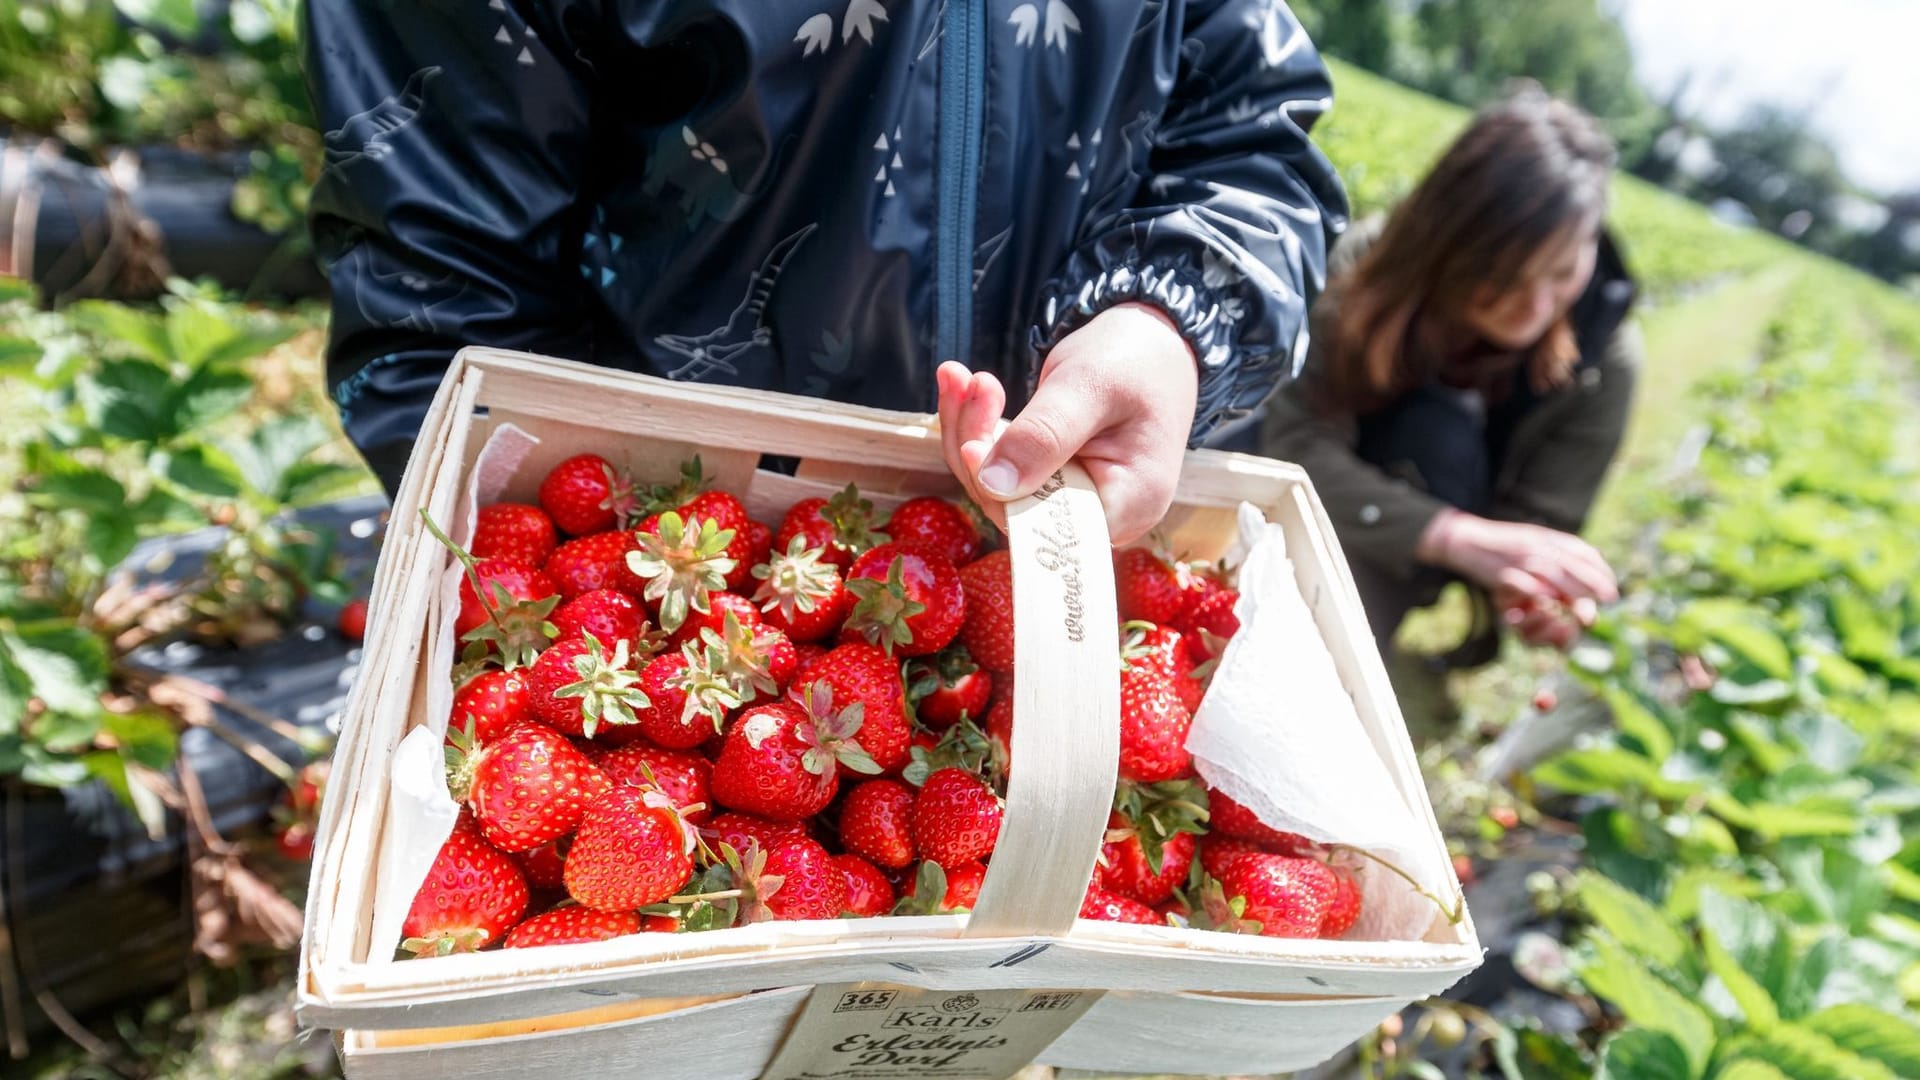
1527	169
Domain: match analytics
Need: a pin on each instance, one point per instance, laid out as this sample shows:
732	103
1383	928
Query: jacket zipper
962	100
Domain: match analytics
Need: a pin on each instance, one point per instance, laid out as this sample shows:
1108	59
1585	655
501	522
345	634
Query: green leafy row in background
123	424
103	73
1752	886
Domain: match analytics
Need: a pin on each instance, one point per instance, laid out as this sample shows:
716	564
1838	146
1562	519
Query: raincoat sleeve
446	212
1229	231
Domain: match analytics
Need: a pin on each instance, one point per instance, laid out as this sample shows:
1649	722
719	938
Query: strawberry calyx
1157	812
830	734
517	630
733	891
1217	911
623	498
709	692
883	608
683	564
929	895
926	674
608	689
853	521
962	746
446	944
797	580
742	656
661	498
462	753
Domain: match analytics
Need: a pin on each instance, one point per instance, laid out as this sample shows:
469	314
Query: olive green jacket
1554	461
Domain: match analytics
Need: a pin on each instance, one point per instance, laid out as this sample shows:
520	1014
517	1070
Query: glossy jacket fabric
826	197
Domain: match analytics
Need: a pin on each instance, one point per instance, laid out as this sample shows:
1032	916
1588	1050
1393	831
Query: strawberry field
1690	844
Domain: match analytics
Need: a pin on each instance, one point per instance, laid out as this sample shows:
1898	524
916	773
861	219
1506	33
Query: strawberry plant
1752	895
125	424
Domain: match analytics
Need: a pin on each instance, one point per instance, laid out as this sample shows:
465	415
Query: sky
1854	61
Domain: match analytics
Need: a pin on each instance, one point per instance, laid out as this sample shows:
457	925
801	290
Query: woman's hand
1117	394
1547	584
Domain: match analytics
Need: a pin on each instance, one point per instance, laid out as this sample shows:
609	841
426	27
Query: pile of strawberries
670	717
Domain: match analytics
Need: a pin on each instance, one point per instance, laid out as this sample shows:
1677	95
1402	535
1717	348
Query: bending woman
1468	380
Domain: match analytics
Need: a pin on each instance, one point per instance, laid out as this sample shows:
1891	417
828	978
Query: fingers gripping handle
1066	710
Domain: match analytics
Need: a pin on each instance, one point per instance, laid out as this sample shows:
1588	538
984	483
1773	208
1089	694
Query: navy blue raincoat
826	197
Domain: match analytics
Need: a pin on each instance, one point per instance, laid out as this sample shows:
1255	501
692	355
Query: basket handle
1066	708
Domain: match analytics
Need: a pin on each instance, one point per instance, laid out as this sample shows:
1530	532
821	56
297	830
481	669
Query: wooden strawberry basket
722	1003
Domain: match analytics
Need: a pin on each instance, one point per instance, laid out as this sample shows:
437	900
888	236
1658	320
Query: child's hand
1117	394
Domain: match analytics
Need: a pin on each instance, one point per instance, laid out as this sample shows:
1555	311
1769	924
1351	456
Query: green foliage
1749	854
97	74
126	423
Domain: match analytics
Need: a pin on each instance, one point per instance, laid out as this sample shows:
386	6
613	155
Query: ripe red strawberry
859	672
725	509
739	830
472	896
632	850
579	685
1163	649
687	700
869	893
1112	907
352	620
719	606
294	841
947	687
489	704
805	655
802	593
608	615
779	759
595	561
513	531
572	925
1211	623
1229	818
586	494
545	866
811	885
1126	869
876	822
529	787
1218	849
513	617
1153	729
843	525
988	629
908	600
683	775
659	924
938	525
683	563
999	727
1344	909
956	818
1287	896
1147	587
957	887
1202	582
